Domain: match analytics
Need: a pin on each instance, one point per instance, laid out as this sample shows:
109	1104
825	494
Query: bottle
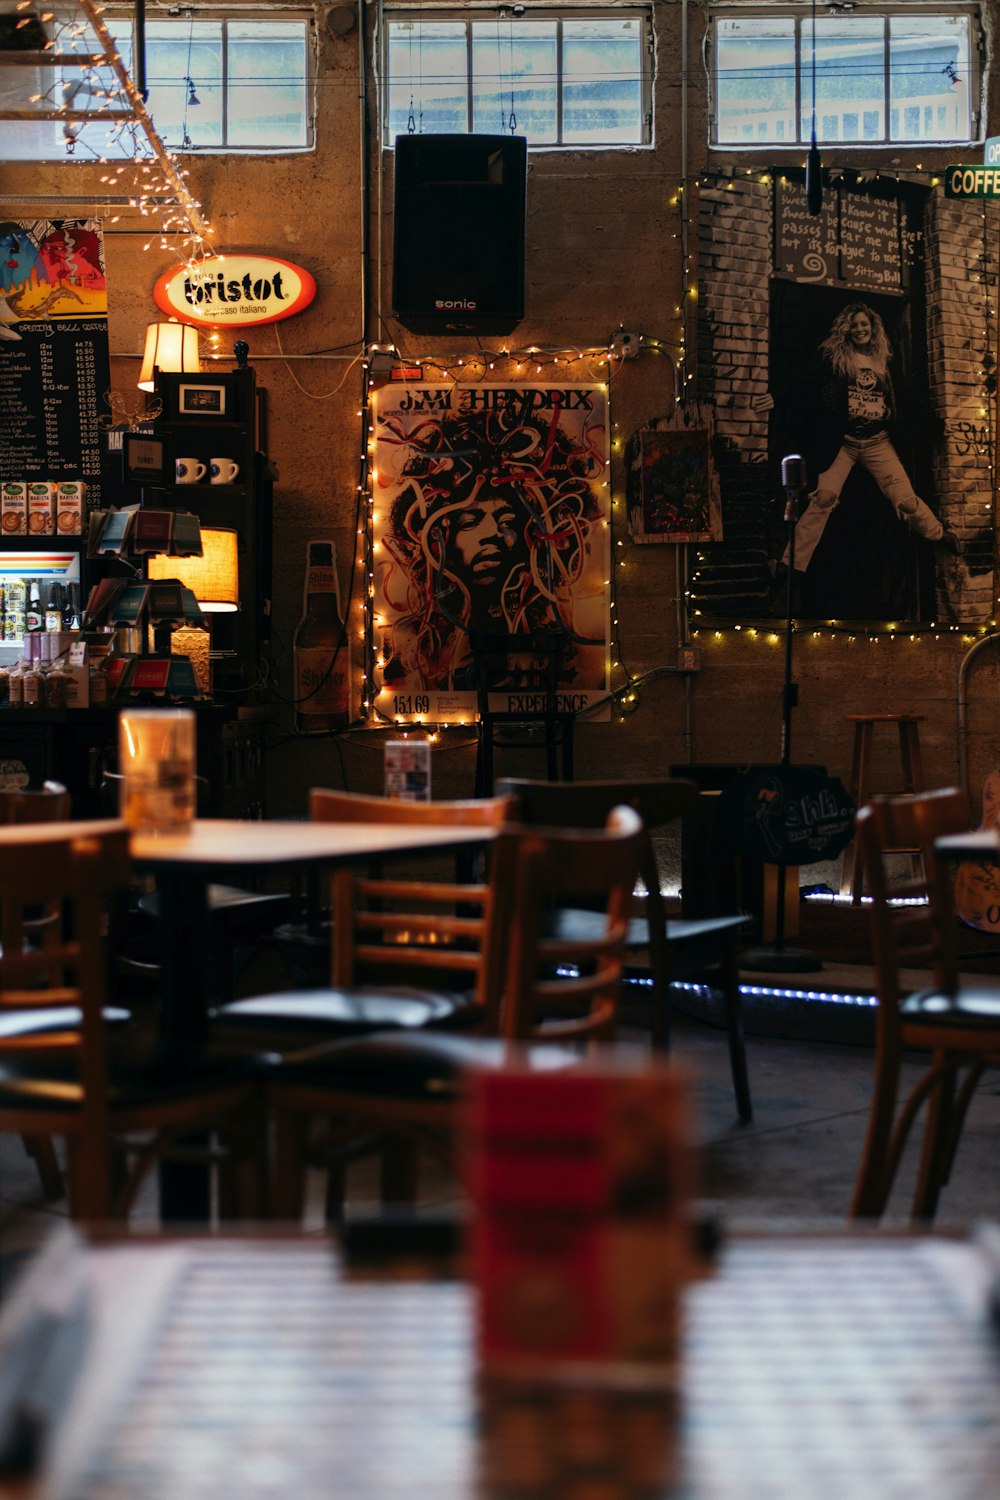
33	618
70	608
320	648
54	607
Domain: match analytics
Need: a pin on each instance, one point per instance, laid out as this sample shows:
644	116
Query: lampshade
213	578
169	346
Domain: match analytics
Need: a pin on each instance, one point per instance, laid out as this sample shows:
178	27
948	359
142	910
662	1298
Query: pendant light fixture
814	167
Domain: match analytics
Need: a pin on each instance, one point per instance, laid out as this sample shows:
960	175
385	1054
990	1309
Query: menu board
860	238
54	361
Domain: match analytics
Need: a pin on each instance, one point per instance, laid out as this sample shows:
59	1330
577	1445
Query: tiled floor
797	1159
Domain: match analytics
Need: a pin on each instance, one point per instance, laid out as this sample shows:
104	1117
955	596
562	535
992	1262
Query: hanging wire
501	15
512	122
411	123
192	97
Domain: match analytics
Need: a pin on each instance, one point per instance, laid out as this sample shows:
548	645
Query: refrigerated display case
56	574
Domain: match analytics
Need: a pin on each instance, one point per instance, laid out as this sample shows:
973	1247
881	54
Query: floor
797	1160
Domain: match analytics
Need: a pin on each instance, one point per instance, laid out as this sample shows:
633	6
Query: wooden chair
69	1067
957	1023
368	990
535	991
702	951
525	668
51	803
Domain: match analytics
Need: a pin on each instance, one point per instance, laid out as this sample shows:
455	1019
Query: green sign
972	182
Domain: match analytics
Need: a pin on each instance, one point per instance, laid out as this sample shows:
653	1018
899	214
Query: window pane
100	139
755	77
602	80
185	113
850	73
514	70
266	68
428	70
930	76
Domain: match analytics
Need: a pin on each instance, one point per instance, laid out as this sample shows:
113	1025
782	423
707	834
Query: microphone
814	180
793	473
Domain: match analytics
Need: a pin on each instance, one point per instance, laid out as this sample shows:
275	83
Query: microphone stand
778	958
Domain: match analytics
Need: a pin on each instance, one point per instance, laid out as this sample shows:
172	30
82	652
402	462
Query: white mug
189	470
223	470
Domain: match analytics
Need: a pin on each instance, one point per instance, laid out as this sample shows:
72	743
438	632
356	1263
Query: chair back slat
406	913
535	868
913	920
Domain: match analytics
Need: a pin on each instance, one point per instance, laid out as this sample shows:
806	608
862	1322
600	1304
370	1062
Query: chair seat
574	925
303	1015
50	1082
34	1023
412	1064
975	1006
228	901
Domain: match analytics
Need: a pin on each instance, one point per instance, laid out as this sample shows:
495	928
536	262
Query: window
219	85
881	77
561	80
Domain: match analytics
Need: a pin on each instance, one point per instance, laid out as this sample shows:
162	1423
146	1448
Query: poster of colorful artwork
491	514
54	361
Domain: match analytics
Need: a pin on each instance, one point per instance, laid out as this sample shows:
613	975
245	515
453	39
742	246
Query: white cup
189	471
156	756
222	470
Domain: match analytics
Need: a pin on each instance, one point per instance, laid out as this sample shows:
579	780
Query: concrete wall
606	241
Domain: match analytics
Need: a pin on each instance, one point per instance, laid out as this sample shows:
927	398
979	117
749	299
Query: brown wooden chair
523	670
426	982
958	1023
661	951
71	1068
50	803
533	989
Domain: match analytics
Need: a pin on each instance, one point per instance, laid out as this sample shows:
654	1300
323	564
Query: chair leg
871	1189
41	1148
933	1156
733	1011
398	1171
288	1179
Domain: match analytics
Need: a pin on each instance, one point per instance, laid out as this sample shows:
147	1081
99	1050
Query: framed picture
673	491
144	459
201	400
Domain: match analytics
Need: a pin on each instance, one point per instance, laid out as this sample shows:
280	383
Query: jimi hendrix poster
491	514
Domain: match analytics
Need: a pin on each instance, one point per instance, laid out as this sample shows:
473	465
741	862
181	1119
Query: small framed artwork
673	489
144	460
201	400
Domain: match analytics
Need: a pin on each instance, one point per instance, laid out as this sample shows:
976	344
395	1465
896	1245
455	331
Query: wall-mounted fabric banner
54	362
673	488
491	514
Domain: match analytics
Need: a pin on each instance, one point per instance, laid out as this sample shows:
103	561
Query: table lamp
169	346
214	579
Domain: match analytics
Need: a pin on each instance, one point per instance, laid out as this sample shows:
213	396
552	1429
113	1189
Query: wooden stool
852	874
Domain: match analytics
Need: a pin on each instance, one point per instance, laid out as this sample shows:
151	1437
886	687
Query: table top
231	843
820	1366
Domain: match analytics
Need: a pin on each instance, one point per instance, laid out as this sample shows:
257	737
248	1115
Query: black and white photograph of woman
866	532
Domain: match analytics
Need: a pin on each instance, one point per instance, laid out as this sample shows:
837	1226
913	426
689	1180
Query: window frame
118	18
467	15
972	10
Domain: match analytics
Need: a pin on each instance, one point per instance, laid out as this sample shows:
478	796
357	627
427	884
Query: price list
52	382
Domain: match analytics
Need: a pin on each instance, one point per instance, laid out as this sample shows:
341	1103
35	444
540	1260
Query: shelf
47	544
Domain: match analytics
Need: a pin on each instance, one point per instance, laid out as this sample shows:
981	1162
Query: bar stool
852	873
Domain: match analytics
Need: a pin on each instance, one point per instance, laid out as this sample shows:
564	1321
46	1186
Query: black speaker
458	233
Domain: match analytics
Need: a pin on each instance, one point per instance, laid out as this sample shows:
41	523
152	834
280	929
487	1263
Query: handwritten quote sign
858	239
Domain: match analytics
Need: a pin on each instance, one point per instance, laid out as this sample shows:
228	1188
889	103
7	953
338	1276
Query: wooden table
183	865
833	1367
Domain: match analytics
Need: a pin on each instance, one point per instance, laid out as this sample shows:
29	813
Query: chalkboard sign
54	361
862	237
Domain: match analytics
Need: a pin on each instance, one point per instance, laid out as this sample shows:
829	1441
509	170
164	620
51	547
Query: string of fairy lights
101	88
